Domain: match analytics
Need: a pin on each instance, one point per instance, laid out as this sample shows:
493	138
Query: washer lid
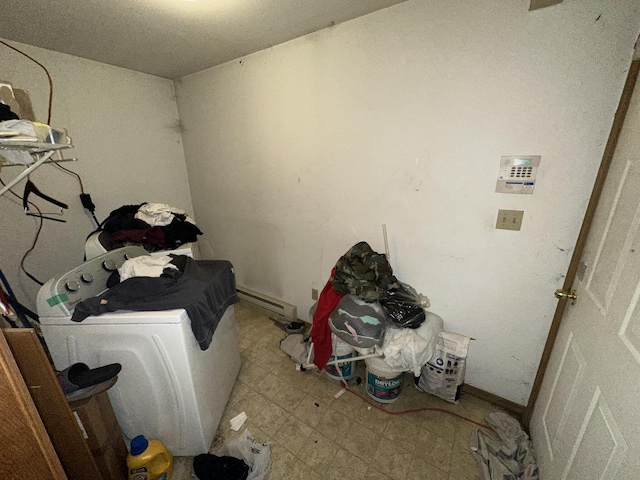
122	317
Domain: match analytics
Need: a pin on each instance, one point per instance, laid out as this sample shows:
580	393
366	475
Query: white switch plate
509	219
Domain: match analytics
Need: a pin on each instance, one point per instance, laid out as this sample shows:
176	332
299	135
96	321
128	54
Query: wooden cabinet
26	450
41	436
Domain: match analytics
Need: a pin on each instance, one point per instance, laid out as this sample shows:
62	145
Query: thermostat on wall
517	174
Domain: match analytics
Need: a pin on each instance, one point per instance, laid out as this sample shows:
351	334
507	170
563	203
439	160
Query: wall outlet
314	294
509	219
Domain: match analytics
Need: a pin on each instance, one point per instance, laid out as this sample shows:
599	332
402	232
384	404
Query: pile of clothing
154	226
204	288
364	276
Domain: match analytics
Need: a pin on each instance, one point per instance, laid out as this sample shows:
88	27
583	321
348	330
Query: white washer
168	389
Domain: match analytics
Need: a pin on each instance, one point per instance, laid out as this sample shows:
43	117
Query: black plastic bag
404	307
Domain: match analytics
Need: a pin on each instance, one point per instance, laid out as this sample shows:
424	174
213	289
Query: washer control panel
58	297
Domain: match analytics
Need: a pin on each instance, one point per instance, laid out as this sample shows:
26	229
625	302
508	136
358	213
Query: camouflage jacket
364	273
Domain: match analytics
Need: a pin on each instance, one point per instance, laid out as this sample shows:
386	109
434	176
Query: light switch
509	219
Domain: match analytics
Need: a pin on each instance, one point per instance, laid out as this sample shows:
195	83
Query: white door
586	421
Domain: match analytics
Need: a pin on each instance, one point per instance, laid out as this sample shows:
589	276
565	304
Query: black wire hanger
30	188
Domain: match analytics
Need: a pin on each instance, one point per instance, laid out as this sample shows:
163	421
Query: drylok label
384	388
345	368
388	382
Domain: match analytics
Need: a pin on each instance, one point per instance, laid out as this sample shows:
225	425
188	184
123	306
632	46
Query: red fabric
320	332
152	236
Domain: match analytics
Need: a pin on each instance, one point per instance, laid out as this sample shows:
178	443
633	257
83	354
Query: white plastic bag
443	375
408	349
254	453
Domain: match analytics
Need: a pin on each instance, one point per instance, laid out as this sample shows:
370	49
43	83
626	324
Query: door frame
607	156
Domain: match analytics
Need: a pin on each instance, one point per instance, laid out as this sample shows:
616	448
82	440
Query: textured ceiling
171	38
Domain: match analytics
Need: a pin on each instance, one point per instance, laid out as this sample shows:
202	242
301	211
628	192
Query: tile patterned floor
315	436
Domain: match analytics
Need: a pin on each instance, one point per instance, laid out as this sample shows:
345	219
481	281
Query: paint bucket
383	384
341	351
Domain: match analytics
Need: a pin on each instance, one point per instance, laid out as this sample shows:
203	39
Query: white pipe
386	243
310	353
309	365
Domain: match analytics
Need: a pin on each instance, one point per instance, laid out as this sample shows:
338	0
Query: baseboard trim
508	405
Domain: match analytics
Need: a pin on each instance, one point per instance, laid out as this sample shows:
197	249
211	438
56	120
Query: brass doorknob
564	294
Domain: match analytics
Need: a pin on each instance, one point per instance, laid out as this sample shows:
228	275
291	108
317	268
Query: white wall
123	127
297	152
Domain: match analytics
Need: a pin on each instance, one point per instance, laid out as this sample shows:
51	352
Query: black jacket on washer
204	288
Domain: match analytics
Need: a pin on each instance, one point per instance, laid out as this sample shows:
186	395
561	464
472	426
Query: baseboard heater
269	304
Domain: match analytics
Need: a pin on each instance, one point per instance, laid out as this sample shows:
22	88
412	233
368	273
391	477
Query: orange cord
50	80
45	71
35	240
416	410
49	107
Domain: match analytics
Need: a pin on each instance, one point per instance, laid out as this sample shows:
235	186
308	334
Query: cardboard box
103	436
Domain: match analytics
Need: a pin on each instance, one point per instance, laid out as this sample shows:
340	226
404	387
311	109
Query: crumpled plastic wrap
408	349
254	453
404	306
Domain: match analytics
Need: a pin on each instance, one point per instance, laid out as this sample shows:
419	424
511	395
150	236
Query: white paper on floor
237	421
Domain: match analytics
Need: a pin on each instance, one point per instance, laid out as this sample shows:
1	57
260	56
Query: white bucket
383	384
341	351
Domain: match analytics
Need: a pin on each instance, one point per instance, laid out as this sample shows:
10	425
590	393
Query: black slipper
79	376
90	391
